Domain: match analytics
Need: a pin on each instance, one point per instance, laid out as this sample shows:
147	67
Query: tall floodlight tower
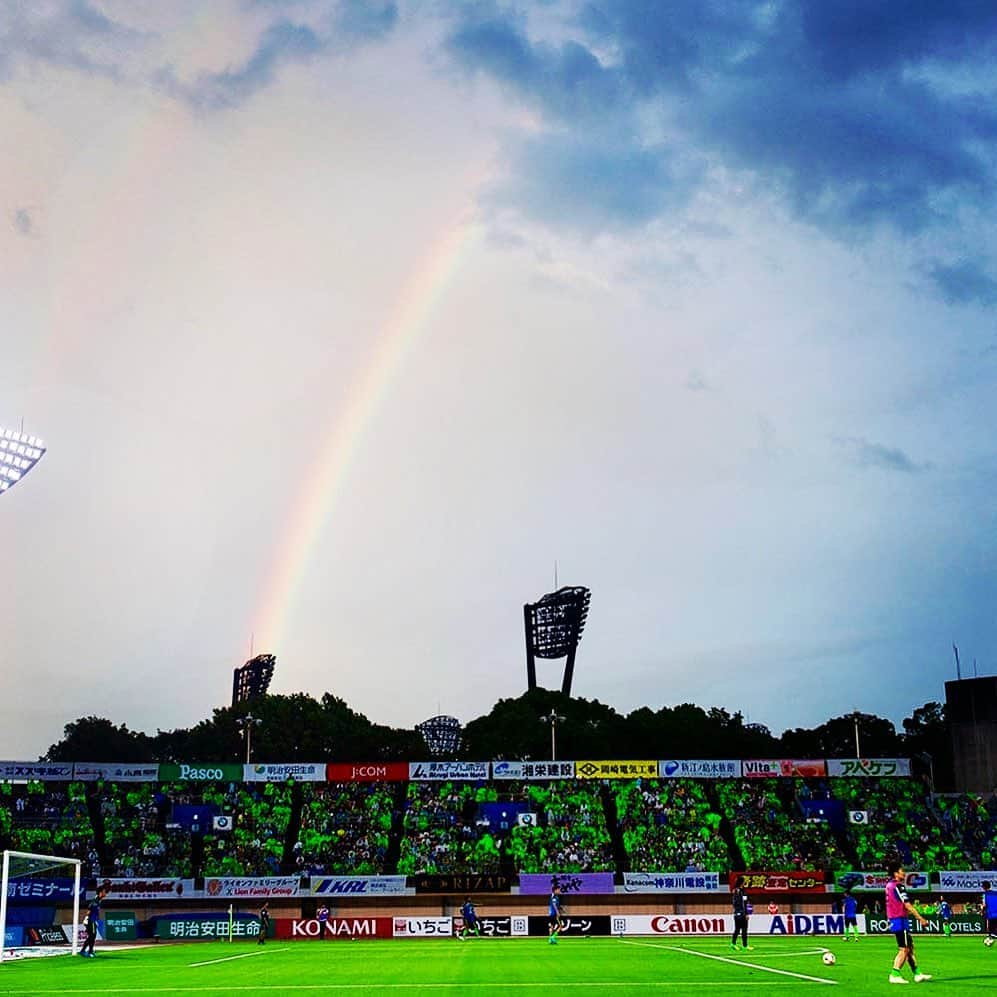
554	627
19	453
253	678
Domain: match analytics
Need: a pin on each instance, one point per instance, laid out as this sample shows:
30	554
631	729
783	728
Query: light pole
552	718
855	720
246	725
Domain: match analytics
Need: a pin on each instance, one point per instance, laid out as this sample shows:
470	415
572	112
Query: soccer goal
33	881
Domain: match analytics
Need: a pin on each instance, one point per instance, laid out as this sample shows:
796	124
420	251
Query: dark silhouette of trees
301	728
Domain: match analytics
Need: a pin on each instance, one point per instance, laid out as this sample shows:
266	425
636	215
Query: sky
349	326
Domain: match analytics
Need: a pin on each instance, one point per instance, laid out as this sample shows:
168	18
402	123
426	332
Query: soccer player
945	913
851	909
739	903
988	906
90	922
470	916
898	907
264	923
323	921
554	915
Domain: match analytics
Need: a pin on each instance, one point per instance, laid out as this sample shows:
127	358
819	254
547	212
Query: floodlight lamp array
557	621
19	453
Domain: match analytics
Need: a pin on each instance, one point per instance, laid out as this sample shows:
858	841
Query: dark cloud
572	182
366	20
874	455
568	80
823	102
963	283
283	42
67	33
23	222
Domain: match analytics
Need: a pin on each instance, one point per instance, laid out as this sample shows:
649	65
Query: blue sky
720	341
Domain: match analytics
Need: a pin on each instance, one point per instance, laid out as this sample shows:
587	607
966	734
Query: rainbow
323	483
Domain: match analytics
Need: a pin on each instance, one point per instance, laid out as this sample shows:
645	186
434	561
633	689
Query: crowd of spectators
772	834
900	820
569	833
345	828
670	825
442	832
48	819
129	830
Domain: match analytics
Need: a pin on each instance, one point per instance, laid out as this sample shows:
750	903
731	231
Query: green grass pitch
596	966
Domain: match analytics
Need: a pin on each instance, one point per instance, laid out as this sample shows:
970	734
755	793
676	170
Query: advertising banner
120	926
965	882
42	771
40	891
774	768
282	771
723	924
794	881
48	935
367	772
448	771
571	883
961	924
464	882
616	770
111	772
242	887
421	927
761	768
13	937
200	772
673	924
873	768
150	889
206	928
533	771
700	768
574	924
336	928
672	882
875	882
358	886
500	927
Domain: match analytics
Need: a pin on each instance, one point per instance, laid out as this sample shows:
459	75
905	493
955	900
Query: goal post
21	868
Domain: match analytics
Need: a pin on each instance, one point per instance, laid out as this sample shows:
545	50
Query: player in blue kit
945	913
988	903
851	908
470	916
554	915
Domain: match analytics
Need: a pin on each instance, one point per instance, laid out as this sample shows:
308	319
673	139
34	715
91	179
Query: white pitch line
736	962
228	958
327	987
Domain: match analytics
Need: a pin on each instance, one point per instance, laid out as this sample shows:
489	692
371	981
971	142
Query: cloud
23	222
366	20
963	283
71	34
874	455
582	184
281	43
829	105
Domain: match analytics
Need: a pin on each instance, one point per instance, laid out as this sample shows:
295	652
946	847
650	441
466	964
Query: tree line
301	728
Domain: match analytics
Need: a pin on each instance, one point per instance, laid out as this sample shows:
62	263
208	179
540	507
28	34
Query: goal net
39	905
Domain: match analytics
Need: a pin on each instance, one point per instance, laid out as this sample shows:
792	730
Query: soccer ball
988	941
828	958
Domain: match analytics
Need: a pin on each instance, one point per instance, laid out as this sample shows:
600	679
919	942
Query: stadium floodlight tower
554	627
441	735
19	453
253	678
